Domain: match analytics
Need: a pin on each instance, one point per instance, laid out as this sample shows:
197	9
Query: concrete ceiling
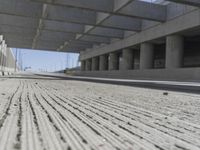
74	25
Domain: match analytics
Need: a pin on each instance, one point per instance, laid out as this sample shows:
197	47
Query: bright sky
45	60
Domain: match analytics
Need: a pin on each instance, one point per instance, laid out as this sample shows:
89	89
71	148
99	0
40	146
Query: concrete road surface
46	113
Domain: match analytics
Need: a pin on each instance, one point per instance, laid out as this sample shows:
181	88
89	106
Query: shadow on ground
177	88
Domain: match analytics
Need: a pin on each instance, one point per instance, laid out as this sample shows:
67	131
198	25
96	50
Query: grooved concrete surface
53	114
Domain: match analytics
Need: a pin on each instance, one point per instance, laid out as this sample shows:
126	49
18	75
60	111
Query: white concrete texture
48	113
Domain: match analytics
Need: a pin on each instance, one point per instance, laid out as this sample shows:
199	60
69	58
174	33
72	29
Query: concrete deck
56	114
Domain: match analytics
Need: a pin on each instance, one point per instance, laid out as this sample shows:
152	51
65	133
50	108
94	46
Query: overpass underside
115	38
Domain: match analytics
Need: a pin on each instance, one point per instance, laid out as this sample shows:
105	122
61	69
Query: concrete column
103	62
127	59
174	51
146	55
95	63
88	65
113	61
83	68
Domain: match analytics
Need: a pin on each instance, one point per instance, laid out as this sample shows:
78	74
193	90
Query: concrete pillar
146	55
95	63
174	51
88	65
103	62
113	61
83	65
127	59
5	56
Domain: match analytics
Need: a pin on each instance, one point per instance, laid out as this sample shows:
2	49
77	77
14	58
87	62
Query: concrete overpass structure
115	38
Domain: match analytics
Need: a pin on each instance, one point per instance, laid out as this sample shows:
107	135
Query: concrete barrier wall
181	74
7	58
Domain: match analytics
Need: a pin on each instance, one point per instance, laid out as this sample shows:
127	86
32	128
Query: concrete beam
132	8
46	47
72	50
19	45
63	26
123	23
59	14
50	43
40	25
73	15
18	21
52	36
16	30
187	2
56	35
100	18
31	10
94	38
86	17
21	8
100	5
98	31
107	32
46	37
18	37
54	26
9	21
81	43
145	10
11	42
75	47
